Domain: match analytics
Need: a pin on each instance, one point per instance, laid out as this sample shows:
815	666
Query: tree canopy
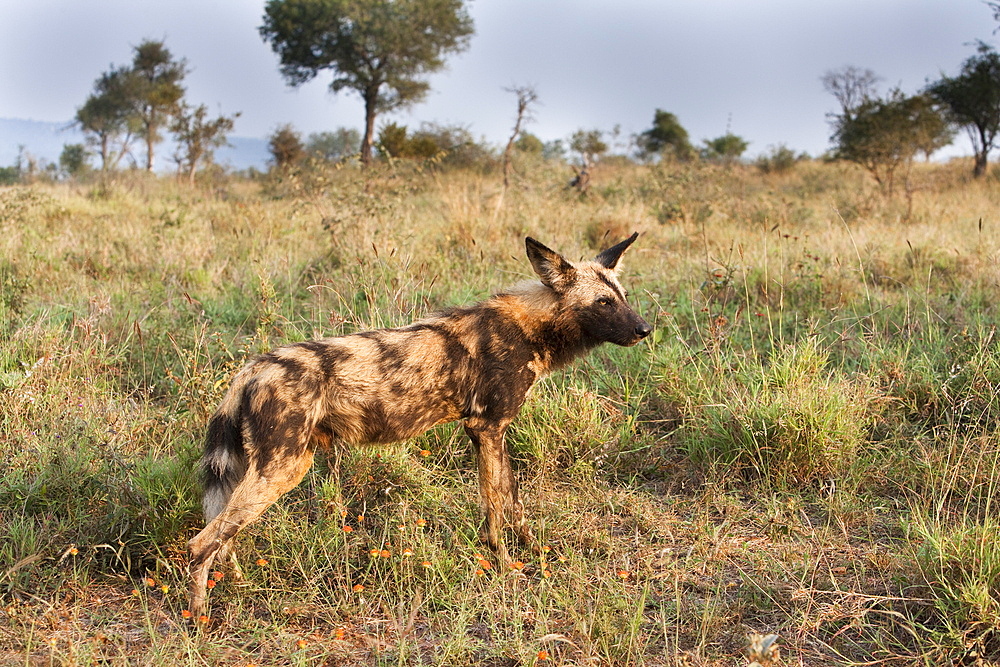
380	49
106	118
973	101
884	134
728	148
198	136
286	147
155	91
133	100
667	134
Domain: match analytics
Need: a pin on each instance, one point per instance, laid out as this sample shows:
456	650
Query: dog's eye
603	301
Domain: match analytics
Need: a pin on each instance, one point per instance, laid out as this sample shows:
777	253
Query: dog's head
592	292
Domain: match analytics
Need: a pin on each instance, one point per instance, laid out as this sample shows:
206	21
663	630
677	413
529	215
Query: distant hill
45	141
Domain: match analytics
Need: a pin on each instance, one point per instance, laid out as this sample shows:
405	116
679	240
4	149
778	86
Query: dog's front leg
497	486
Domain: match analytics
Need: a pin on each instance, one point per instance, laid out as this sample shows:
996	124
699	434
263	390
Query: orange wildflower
543	655
185	613
385	553
348	529
358	588
261	562
210	584
218	576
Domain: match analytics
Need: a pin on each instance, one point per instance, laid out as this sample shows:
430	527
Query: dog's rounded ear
610	257
550	266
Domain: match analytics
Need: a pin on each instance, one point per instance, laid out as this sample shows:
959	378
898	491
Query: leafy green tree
106	117
154	86
667	136
380	49
589	144
452	145
286	147
197	136
10	175
334	145
422	146
73	159
554	150
883	135
455	145
529	143
727	148
392	140
973	101
778	160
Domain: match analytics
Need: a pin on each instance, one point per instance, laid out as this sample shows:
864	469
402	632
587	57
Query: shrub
793	424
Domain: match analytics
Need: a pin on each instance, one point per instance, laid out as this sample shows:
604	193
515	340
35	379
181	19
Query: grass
806	446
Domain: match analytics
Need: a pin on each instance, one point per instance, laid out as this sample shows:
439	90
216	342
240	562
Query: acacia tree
286	147
380	49
198	137
726	149
106	119
973	101
73	160
336	145
155	89
667	134
883	135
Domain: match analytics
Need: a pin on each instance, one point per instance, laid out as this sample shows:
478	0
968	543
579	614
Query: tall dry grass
805	447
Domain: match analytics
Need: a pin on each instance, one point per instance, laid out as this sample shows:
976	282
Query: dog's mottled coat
475	363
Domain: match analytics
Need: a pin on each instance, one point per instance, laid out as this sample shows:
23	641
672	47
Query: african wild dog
475	364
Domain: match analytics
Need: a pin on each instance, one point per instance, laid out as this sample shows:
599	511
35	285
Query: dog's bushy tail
225	460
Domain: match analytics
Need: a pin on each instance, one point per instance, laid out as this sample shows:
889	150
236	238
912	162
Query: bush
778	160
794	424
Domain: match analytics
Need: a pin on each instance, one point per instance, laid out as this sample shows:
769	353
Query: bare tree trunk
526	96
979	169
369	139
149	148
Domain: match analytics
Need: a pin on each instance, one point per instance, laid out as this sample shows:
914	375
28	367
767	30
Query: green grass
806	446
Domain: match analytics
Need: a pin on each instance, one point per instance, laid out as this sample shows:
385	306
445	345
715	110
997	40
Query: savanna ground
807	446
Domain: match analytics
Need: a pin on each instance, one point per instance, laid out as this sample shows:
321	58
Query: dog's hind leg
257	491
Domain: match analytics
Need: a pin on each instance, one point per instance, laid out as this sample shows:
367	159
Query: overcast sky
750	66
